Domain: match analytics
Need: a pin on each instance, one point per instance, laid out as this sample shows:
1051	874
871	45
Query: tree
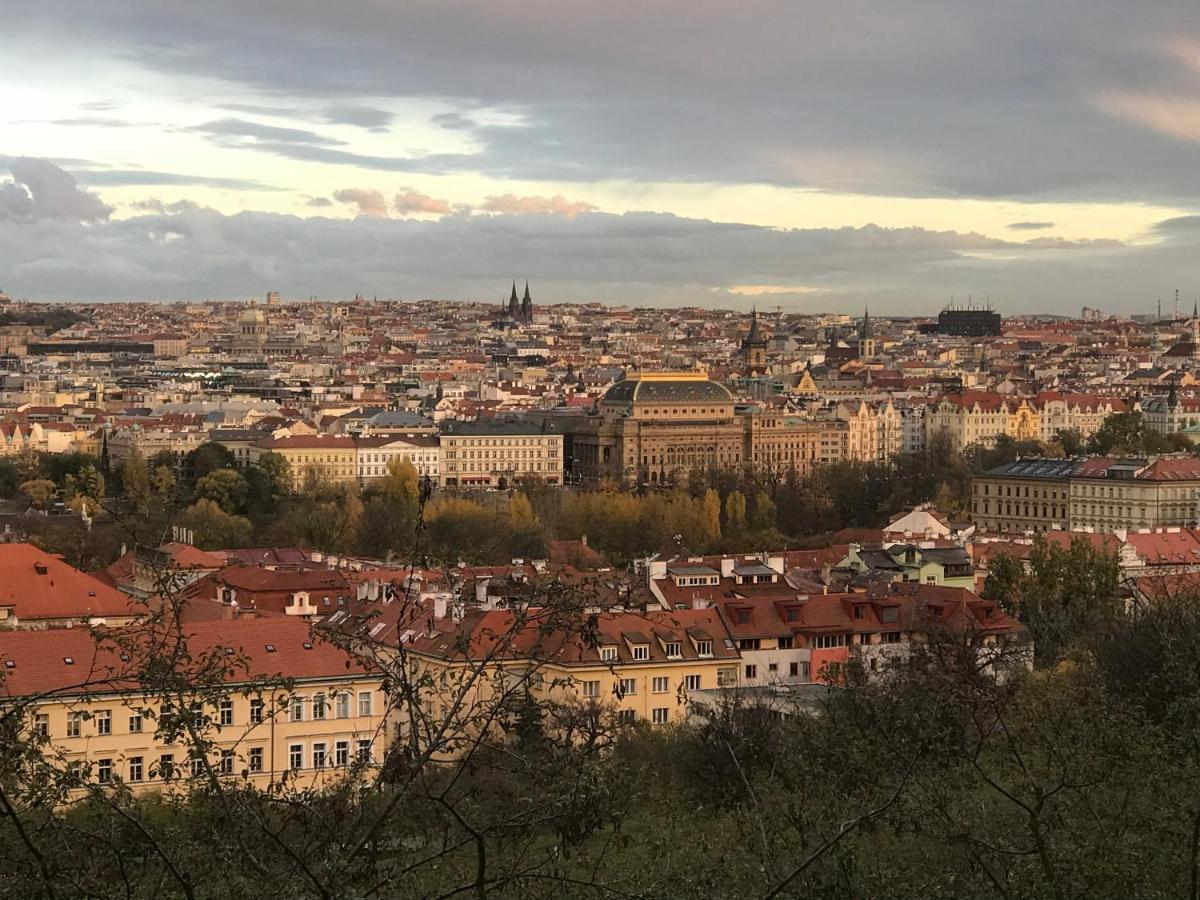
207	458
520	513
86	484
225	487
162	481
764	512
278	470
135	481
711	515
1071	442
1120	433
40	491
215	529
735	512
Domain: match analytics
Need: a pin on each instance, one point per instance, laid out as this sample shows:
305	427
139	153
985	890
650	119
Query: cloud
556	205
1030	226
1173	115
154	205
320	202
773	93
369	202
184	252
408	201
146	178
366	117
242	128
40	190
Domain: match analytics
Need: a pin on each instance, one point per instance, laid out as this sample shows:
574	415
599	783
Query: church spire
866	323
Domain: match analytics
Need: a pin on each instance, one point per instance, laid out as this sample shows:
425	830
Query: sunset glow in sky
810	155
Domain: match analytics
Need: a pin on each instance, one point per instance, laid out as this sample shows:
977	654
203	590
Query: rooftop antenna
1160	309
1176	304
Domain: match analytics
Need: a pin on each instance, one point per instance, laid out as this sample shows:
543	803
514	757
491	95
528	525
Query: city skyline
805	157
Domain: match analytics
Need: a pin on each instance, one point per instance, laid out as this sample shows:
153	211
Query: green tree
735	512
225	487
1120	433
207	458
711	515
1071	441
162	481
135	481
764	512
40	491
87	484
214	528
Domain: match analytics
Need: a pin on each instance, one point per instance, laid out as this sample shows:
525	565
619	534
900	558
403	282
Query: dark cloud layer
925	98
57	241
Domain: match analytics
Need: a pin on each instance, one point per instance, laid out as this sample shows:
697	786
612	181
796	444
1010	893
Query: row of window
165	769
321	708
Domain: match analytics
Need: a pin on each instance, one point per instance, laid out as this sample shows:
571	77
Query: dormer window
608	654
641	652
674	649
793	614
704	648
889	614
743	617
860	612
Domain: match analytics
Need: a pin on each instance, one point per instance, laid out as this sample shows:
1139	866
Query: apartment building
376	452
1103	494
637	666
499	453
84	695
979	417
328	456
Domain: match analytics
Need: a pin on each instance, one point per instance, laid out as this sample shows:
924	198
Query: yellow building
84	697
638	667
484	453
331	457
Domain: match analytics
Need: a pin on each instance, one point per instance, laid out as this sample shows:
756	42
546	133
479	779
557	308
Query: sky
808	155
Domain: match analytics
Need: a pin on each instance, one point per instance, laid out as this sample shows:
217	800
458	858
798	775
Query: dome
253	316
668	388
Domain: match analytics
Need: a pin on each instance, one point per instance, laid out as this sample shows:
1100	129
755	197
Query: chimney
583	539
439	606
727	564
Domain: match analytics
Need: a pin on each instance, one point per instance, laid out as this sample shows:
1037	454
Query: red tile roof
39	585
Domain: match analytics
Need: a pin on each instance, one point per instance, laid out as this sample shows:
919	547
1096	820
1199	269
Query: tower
866	337
526	305
754	348
514	305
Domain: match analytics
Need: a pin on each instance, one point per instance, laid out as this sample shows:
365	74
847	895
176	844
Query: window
704	648
296	756
365	703
74	724
608	654
743	616
320	757
660	685
226	765
166	766
889	637
197	766
660	715
860	611
364	751
136	769
641	652
296	713
104	770
726	676
342	706
793	669
748	644
628	687
591	689
674	649
319	706
41	725
691	682
626	716
256	759
225	712
825	641
103	722
786	643
341	753
135	723
751	671
256	710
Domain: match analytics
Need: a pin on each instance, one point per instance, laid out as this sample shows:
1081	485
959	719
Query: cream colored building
85	700
498	453
332	457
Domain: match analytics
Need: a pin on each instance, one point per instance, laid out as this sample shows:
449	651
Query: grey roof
636	390
1036	467
398	418
691	570
754	569
485	427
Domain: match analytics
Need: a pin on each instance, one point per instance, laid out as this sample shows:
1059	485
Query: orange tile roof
39	585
